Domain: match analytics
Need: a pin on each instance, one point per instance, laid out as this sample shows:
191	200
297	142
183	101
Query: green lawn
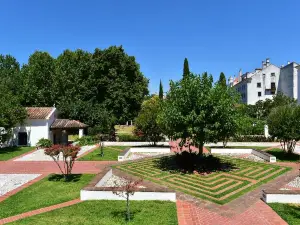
110	154
289	212
122	129
12	152
109	213
218	186
282	156
49	191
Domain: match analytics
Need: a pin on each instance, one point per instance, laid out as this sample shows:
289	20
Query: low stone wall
112	143
147	191
267	144
124	154
281	196
264	155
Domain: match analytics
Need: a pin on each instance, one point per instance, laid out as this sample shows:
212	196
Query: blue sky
215	35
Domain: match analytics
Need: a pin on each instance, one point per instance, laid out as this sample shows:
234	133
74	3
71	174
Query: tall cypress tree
186	69
222	79
161	91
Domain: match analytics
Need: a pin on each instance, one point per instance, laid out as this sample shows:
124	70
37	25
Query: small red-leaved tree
68	155
128	188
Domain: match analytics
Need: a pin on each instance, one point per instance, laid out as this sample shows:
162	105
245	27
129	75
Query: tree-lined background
99	88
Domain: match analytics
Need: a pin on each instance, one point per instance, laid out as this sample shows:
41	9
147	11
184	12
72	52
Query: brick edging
14	191
38	211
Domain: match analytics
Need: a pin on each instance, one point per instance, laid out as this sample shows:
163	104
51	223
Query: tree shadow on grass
122	214
186	162
284	156
9	150
60	177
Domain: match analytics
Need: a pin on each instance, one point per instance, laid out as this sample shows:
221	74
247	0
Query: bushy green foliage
129	138
102	88
146	122
88	140
11	112
44	143
196	111
284	124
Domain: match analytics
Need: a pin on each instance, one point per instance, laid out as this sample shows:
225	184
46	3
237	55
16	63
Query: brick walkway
36	167
38	211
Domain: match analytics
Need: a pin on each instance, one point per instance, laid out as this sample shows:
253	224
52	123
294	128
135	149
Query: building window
273	86
272	74
258	84
259	94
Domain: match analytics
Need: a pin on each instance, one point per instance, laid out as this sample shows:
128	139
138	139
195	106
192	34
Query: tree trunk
201	145
127	208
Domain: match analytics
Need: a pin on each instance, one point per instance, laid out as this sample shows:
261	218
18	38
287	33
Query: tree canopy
186	68
197	111
284	124
222	79
161	90
102	87
146	122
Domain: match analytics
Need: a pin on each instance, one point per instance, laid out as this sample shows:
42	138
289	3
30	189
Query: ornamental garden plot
218	186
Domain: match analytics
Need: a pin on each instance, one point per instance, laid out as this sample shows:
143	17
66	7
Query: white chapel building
42	122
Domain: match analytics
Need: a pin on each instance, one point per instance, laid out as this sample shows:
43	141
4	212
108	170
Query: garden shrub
129	138
88	140
44	143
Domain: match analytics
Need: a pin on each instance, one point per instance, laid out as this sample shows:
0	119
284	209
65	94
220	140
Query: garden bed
240	177
102	187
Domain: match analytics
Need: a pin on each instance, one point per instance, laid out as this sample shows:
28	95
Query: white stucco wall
36	129
264	77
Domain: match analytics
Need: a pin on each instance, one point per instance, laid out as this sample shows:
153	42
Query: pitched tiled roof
65	123
39	112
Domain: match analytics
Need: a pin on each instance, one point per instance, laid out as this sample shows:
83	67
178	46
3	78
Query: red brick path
38	211
47	167
257	214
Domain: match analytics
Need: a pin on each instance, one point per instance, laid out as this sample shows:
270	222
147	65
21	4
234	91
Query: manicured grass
12	152
282	156
109	213
122	129
220	187
289	212
110	154
49	191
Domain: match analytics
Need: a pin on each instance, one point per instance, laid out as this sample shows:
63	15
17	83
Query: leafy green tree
222	79
186	68
196	111
38	77
11	112
284	124
161	90
121	86
10	73
146	122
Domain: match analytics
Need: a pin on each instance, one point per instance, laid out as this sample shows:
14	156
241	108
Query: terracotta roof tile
39	112
65	123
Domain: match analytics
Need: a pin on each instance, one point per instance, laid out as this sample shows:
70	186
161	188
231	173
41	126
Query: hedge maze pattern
218	187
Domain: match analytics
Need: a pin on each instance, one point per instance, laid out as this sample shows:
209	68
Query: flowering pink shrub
67	154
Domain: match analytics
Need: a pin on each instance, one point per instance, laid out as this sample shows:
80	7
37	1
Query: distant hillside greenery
100	88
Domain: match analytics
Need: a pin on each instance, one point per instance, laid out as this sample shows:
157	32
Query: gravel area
245	156
39	155
9	182
114	181
295	183
140	155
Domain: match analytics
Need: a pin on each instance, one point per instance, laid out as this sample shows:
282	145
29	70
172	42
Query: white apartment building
265	82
